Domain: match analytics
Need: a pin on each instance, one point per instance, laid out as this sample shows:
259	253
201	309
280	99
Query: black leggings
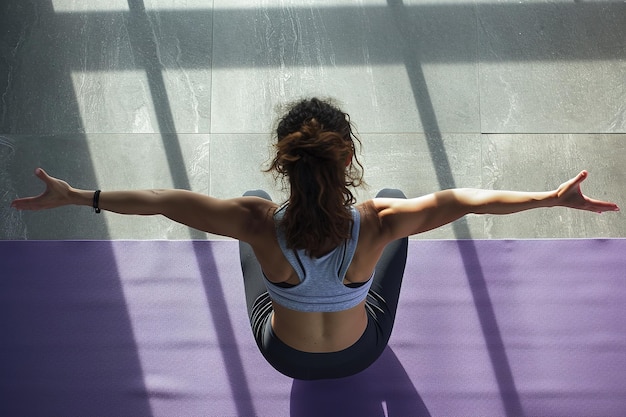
381	305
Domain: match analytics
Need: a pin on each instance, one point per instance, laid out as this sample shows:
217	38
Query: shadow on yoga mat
384	389
67	346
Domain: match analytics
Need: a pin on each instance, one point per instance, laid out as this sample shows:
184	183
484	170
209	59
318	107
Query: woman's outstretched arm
407	217
233	217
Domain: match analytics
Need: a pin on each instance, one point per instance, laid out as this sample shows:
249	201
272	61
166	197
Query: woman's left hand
57	193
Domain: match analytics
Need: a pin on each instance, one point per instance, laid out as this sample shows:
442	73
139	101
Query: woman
322	275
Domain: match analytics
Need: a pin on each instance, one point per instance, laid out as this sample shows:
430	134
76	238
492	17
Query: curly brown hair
315	151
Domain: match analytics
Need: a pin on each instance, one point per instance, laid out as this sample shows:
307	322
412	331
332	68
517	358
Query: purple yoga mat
159	328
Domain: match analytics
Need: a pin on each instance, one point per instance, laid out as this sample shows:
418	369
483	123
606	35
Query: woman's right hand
57	193
570	195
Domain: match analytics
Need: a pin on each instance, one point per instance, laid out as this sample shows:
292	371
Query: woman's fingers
572	196
26	203
47	199
43	175
581	176
574	183
600	206
593	204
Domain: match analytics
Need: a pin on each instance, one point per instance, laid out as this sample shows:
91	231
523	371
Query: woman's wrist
81	197
550	199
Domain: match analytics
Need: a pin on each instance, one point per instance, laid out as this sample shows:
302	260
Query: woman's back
318	331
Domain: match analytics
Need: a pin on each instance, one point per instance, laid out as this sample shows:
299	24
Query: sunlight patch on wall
65	6
115	101
177	5
316	4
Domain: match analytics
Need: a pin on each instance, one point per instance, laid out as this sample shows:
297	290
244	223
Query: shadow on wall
383	389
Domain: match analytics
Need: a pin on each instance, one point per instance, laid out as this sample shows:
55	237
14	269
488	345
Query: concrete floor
153	94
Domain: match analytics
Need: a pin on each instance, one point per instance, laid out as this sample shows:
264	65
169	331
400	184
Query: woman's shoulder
260	216
260	208
374	230
369	219
368	209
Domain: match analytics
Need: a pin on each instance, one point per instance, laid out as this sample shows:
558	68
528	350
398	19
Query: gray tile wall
147	94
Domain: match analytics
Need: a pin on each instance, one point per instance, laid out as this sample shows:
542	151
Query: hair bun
320	135
310	129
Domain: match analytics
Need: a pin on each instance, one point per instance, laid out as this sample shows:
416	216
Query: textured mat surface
159	328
